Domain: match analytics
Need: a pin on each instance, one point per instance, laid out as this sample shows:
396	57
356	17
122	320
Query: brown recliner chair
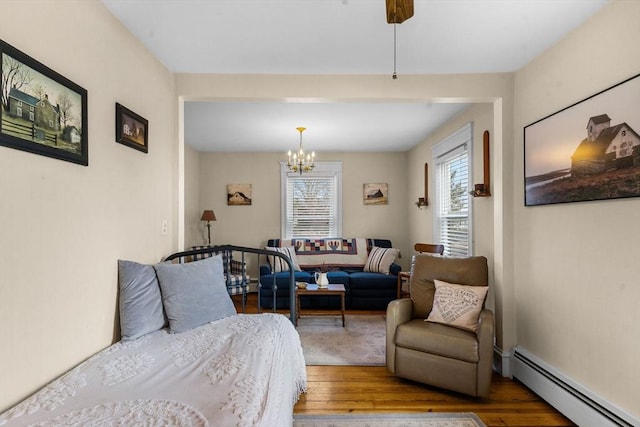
438	354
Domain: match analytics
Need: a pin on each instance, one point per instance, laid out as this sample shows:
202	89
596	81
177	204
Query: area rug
425	419
325	342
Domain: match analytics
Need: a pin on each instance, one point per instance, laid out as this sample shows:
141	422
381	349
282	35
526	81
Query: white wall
577	284
63	226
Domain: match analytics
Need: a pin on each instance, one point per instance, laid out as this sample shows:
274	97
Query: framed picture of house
132	129
587	151
42	112
238	194
375	194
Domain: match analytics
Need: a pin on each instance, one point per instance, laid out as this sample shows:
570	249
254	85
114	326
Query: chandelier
299	161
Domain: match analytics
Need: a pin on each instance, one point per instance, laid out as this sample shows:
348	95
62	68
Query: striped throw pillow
380	260
278	264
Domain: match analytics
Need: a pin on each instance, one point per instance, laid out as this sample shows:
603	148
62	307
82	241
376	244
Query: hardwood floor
369	389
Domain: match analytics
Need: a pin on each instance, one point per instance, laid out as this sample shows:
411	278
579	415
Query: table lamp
208	216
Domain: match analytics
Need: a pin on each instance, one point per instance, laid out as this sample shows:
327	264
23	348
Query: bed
234	370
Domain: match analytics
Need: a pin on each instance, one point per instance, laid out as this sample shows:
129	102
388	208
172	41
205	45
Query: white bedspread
244	370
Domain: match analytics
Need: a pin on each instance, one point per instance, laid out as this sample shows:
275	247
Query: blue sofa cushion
282	278
367	281
283	292
338	277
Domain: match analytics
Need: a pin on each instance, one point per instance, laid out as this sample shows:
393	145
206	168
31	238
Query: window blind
454	205
452	188
311	207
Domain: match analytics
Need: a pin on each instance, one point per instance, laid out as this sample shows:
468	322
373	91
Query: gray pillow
194	293
140	300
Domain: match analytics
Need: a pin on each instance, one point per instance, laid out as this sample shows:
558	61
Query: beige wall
494	89
421	220
253	225
63	226
195	230
420	224
577	281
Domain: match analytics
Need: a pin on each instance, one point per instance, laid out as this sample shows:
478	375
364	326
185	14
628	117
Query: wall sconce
208	216
484	189
424	201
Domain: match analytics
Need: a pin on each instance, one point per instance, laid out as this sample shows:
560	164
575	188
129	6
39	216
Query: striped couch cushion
380	260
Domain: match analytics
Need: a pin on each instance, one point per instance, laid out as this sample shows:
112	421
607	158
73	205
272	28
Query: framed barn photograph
238	194
587	151
375	194
42	112
132	129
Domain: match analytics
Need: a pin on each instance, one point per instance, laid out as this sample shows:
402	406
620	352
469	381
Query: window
312	202
452	221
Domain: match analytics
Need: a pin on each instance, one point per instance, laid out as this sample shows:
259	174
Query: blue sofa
364	290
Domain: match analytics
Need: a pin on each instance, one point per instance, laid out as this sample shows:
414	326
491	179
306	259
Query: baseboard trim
576	402
502	362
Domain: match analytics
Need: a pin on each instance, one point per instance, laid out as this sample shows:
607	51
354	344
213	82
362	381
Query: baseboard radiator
575	401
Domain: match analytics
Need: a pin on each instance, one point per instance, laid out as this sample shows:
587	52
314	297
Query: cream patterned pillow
380	260
457	305
278	264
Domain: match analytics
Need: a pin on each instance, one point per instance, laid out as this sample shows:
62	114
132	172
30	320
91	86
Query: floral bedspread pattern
244	370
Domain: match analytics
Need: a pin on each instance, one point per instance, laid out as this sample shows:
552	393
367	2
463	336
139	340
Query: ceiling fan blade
399	11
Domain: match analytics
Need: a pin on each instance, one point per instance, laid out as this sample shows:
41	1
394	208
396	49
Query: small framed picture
375	194
132	129
238	194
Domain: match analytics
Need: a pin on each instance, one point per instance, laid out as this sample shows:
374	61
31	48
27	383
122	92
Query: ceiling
338	37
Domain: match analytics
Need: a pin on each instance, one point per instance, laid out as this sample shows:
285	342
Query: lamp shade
208	216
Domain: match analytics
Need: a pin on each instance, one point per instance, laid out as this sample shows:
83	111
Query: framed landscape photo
587	151
375	194
238	194
132	129
42	112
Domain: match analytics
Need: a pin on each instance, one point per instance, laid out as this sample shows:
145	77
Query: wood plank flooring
371	389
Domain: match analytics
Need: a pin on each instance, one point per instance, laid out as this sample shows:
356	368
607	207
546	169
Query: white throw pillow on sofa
278	264
380	260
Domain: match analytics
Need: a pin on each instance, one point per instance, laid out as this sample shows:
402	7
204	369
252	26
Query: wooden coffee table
329	290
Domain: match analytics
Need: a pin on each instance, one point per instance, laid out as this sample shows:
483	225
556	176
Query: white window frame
456	143
321	169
